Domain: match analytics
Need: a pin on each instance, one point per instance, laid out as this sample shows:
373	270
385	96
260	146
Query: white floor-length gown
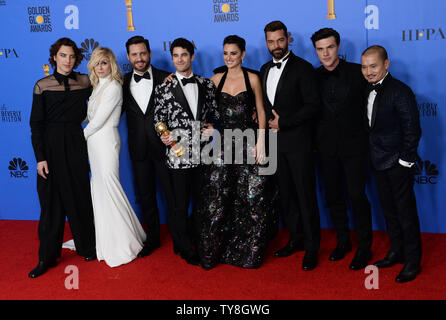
119	234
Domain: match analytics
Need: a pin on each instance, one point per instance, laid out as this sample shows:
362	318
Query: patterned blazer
172	108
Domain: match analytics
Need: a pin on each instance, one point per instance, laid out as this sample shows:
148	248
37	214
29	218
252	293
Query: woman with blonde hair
119	234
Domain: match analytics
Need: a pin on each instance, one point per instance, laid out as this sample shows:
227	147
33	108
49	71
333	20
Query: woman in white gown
119	234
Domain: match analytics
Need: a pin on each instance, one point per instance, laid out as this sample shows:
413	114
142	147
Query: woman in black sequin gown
236	216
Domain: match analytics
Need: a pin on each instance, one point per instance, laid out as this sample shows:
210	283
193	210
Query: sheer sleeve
37	124
110	100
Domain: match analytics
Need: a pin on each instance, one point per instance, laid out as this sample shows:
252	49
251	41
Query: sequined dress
236	215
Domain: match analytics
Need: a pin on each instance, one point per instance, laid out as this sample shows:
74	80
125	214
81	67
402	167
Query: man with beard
146	150
292	102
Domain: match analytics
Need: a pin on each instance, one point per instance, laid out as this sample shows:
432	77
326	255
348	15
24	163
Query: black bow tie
138	78
185	81
279	64
64	79
376	87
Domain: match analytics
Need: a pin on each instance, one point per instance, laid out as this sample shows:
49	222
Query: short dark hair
382	52
325	33
274	26
183	43
136	40
65	42
234	39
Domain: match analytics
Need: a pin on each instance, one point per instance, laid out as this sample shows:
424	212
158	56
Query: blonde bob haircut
99	54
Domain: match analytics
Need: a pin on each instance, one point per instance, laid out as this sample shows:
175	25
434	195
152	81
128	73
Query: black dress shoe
361	259
408	273
390	260
148	249
310	261
90	258
289	249
41	268
340	251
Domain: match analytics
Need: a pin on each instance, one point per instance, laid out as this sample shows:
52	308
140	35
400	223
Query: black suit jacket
142	137
296	101
339	129
395	130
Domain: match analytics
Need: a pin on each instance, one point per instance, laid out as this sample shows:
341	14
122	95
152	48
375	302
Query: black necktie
138	78
185	81
376	87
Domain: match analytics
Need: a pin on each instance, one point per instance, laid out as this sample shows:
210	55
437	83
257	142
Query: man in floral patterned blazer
187	106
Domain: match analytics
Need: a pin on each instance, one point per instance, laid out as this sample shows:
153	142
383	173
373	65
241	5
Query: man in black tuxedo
292	103
394	132
341	140
146	150
186	105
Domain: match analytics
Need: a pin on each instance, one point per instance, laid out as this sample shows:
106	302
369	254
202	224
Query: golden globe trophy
177	149
130	26
46	69
331	10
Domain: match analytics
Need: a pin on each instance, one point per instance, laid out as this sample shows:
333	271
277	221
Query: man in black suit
146	150
292	102
394	132
341	140
186	105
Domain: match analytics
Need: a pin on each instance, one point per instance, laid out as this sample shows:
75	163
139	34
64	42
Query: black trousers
397	198
62	197
145	173
341	173
186	186
297	191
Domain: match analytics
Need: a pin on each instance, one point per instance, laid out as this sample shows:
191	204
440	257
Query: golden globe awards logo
226	11
40	19
2	2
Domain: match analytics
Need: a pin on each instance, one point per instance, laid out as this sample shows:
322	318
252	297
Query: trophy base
331	16
131	28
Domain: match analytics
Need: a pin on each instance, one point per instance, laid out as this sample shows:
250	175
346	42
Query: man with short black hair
186	101
341	140
146	151
394	133
292	103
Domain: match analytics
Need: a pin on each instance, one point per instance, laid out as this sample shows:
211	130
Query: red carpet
165	276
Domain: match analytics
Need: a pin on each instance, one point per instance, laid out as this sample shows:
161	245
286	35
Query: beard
143	68
279	53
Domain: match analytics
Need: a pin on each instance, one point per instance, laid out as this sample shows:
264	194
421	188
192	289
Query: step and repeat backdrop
413	31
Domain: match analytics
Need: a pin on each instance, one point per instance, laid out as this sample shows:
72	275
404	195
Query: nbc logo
88	46
426	172
18	168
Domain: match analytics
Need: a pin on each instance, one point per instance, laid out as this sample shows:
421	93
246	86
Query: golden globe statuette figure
130	26
46	69
177	149
331	10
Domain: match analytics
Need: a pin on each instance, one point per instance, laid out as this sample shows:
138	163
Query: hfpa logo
426	172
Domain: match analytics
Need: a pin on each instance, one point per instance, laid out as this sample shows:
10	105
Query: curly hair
65	42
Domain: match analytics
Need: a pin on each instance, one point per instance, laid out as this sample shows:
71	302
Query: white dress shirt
142	90
370	102
191	92
273	78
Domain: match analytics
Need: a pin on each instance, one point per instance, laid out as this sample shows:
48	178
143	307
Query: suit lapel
133	104
152	96
264	85
283	76
181	98
201	99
